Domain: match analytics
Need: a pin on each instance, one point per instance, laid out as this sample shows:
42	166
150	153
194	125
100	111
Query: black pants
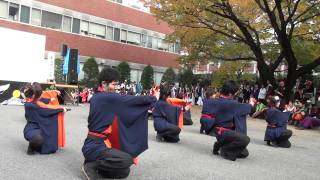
112	164
35	143
283	139
187	118
171	134
233	145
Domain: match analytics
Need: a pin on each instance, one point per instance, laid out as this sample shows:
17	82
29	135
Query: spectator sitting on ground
289	107
259	110
312	120
298	113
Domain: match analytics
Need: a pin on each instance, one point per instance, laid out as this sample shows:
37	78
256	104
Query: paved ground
189	159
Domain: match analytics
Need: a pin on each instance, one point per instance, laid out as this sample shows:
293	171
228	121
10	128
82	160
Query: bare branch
307	18
291	13
308	67
304	12
234	59
275	64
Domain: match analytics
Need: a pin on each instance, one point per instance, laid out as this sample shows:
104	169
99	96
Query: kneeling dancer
229	123
118	130
277	133
168	119
45	121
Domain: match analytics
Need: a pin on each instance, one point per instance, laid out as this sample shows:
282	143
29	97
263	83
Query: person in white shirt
262	93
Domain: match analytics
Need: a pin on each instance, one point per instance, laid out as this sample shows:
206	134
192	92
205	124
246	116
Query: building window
76	25
3	9
13	11
109	33
97	30
149	44
116	35
144	40
84	27
171	47
123	35
66	26
134	38
36	17
118	1
51	20
163	45
177	47
155	43
25	14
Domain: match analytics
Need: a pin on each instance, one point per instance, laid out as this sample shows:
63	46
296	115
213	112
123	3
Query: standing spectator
270	90
239	93
298	95
246	94
280	90
262	94
84	95
139	88
308	87
173	91
134	87
256	91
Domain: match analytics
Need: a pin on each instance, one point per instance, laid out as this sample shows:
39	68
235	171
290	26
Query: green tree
124	70
186	78
264	31
147	77
231	71
169	76
91	73
58	71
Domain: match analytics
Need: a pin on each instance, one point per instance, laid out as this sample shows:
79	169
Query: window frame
62	24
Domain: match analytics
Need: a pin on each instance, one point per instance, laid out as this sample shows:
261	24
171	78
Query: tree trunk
266	74
289	85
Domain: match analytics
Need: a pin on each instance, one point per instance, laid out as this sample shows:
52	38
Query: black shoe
211	133
268	143
90	171
272	143
226	156
30	151
244	153
216	148
159	138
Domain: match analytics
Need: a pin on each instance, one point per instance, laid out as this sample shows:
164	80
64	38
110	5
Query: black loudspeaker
72	77
64	50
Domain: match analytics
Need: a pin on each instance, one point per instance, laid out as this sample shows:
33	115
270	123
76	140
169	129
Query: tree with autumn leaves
270	32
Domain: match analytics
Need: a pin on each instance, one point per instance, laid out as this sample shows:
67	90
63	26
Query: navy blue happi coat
44	122
207	120
165	116
277	123
229	114
127	116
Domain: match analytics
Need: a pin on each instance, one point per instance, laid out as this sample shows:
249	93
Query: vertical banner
66	63
51	58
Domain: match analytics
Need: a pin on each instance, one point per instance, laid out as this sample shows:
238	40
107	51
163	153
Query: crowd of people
303	105
118	127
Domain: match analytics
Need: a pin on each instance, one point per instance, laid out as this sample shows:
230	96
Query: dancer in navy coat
207	120
168	119
42	128
277	133
229	123
118	130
